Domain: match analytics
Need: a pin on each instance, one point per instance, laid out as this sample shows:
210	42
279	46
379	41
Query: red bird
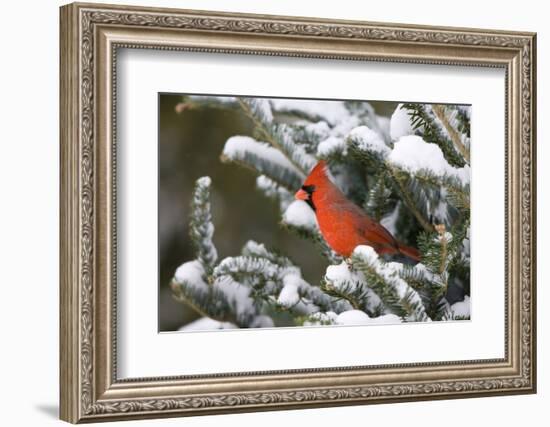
343	224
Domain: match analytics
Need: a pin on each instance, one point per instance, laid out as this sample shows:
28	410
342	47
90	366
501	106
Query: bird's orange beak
301	195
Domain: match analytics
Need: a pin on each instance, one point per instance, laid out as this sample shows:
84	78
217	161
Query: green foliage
424	122
379	202
201	229
463	119
355	293
280	136
430	288
397	296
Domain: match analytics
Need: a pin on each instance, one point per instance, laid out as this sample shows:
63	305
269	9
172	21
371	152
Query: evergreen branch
463	121
456	317
295	113
309	135
274	191
201	229
439	111
365	112
296	153
278	136
267	274
452	183
394	292
262	159
436	187
440	228
333	149
219	298
201	302
407	199
373	156
315	297
294	110
258	250
241	267
430	288
442	252
244	307
459	199
356	294
368	148
315	319
378	202
258	110
423	123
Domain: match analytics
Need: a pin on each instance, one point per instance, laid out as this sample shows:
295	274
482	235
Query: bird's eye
309	189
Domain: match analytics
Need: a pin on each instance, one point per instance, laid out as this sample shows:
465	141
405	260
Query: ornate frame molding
90	36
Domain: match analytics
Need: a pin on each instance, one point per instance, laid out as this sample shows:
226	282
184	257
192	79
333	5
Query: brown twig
410	203
439	112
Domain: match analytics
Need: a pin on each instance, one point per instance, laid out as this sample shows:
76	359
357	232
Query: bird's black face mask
305	194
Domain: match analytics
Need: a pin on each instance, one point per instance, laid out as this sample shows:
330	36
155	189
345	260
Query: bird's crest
318	174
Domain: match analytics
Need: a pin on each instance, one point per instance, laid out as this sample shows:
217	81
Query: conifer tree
410	172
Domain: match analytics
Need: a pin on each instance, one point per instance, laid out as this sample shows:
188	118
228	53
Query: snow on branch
413	154
378	202
299	214
447	123
201	228
425	122
306	291
332	147
311	134
190	286
420	173
442	249
206	323
272	279
368	147
284	137
350	318
400	123
312	110
365	139
259	250
383	278
430	286
278	135
351	286
238	298
263	159
253	269
299	218
461	309
259	109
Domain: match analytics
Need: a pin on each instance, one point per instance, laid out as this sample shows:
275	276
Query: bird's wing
364	228
375	232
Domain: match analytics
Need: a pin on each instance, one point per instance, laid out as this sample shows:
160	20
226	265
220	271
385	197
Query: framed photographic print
266	212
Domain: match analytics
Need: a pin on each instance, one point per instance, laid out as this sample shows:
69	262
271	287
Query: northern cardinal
343	224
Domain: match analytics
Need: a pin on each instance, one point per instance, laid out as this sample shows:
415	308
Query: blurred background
190	144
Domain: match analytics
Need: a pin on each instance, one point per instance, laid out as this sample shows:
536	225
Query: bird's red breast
342	223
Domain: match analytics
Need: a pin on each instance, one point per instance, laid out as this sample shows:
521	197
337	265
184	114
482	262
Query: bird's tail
409	252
